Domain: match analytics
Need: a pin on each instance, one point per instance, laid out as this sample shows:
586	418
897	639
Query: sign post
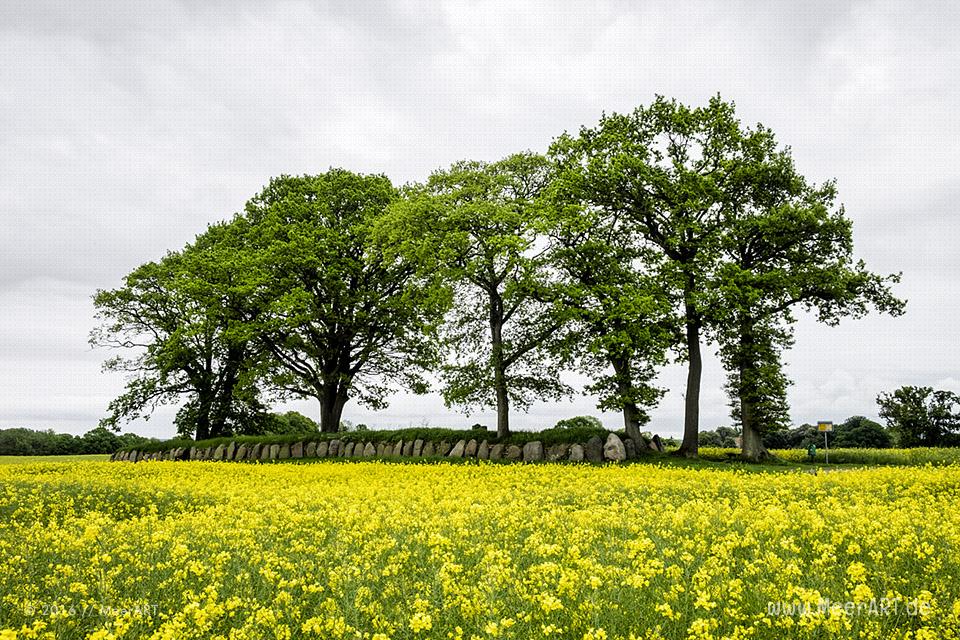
825	426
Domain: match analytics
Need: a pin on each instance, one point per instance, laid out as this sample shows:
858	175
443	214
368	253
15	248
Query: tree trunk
333	397
691	416
631	415
751	443
499	370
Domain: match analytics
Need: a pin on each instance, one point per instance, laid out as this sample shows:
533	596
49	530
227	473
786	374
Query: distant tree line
28	442
625	247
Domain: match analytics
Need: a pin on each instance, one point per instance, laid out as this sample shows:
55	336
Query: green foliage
28	442
920	416
181	317
859	432
341	314
579	422
725	437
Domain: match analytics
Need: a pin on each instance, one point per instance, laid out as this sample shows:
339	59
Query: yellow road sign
824	426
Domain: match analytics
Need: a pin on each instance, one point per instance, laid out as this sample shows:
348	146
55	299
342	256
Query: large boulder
284	452
657	444
443	448
242	452
533	451
429	450
576	453
483	451
219	452
470	451
255	451
398	449
613	450
408	448
558	452
348	449
496	452
311	450
265	452
457	451
418	447
323	449
369	450
382	449
231	451
630	447
513	452
296	451
275	452
593	449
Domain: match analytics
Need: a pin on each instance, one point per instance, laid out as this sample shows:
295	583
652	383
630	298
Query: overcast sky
127	127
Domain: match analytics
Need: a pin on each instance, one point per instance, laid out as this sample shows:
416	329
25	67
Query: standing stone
398	449
576	453
369	451
429	450
296	450
323	449
496	452
311	450
457	451
231	451
275	452
418	447
657	444
241	452
255	452
284	452
348	451
470	451
483	451
533	451
513	452
265	452
614	450
334	448
381	449
408	448
630	447
219	451
443	448
558	452
593	450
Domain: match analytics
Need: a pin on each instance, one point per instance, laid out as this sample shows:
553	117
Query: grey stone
418	447
513	452
311	450
408	448
496	452
443	448
242	452
470	451
210	452
348	450
231	451
323	448
576	453
657	444
558	452
398	449
428	450
381	449
369	450
533	451
296	451
284	452
593	450
265	452
334	449
614	450
275	452
630	447
457	451
483	451
255	452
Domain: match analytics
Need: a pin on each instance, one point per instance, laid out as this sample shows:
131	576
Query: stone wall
615	449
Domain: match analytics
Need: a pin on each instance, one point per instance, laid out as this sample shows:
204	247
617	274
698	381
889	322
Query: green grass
95	457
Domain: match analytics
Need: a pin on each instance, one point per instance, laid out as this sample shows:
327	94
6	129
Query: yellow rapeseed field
380	550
